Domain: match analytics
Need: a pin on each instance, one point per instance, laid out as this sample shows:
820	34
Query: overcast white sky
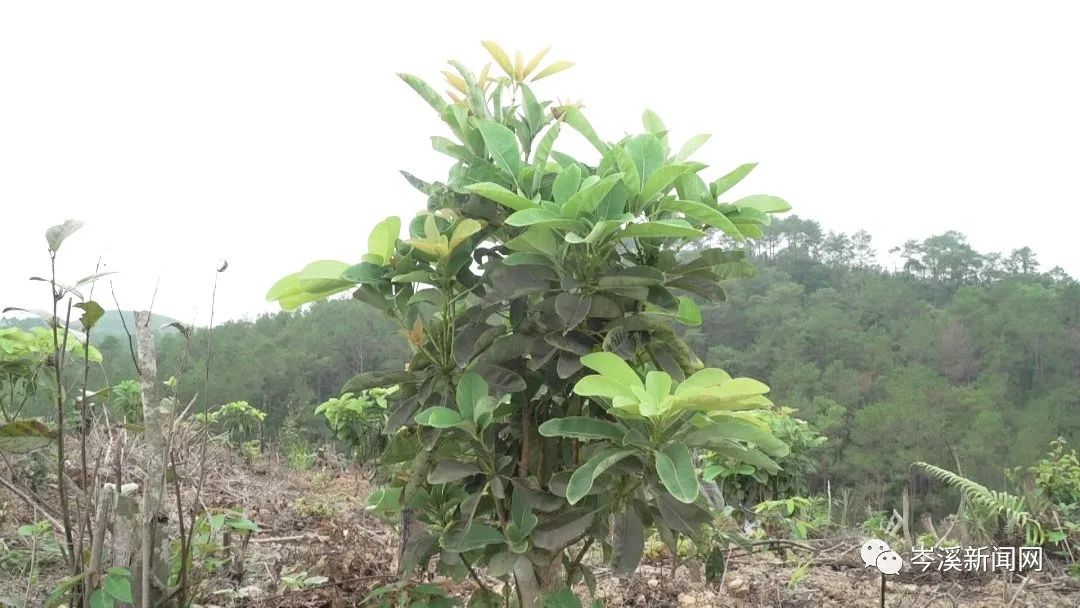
270	133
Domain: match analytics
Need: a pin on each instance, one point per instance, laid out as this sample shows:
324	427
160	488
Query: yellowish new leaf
554	68
500	57
534	62
456	81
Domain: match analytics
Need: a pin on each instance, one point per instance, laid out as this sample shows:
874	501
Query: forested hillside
957	351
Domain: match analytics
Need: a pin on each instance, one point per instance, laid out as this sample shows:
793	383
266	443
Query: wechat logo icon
878	554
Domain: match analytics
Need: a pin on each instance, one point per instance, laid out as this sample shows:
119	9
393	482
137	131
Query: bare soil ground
315	522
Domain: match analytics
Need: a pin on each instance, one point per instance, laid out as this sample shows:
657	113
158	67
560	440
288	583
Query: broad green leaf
676	469
682	517
57	234
484	409
566	184
691	187
364	272
558	533
425	91
535	240
383	237
453	150
534	113
658	385
629	170
464	229
661	181
588	198
543	151
501	195
539	217
628	540
751	231
717	432
501	564
599	232
661	229
702	379
562	598
577	120
647	153
652	123
747	455
687	314
613	367
692	145
725	183
602	386
92	312
635	276
470	388
24	436
764	203
439	417
100	599
448	471
475	95
290	295
502	145
572	308
377	379
520	258
705	214
582	427
730	395
521	515
316	281
119	587
460	540
585	475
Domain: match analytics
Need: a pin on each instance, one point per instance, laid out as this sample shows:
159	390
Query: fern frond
1010	507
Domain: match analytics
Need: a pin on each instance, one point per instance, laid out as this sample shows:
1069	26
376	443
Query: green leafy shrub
795	516
295	443
1058	475
358	420
126	400
748	483
237	421
549	404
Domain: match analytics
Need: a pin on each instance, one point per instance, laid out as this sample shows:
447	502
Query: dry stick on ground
31	502
1016	595
774	542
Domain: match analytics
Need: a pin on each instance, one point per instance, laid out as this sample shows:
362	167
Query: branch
34	504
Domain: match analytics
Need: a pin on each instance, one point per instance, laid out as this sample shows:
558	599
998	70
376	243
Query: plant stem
58	364
472	574
577	561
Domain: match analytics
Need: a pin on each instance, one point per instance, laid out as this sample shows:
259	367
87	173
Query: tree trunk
905	508
153	564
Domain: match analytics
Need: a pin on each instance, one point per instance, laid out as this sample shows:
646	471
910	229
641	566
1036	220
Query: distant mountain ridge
110	323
